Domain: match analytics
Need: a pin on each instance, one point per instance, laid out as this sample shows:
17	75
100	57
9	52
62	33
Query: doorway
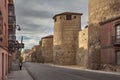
118	57
2	66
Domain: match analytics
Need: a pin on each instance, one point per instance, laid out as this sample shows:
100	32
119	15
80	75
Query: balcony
116	40
15	45
11	20
12	37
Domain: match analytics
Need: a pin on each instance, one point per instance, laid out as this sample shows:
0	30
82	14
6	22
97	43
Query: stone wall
110	67
66	38
82	52
101	10
94	46
47	49
36	54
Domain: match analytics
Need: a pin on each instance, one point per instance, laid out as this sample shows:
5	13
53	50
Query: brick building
110	41
99	11
3	39
11	32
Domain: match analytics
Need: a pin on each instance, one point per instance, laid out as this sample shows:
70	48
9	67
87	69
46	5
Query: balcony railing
12	37
15	45
116	40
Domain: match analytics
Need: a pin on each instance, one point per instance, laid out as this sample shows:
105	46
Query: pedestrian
20	65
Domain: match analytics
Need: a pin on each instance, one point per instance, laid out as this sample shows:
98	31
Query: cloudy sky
35	17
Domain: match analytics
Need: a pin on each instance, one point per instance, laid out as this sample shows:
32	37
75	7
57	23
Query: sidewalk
19	75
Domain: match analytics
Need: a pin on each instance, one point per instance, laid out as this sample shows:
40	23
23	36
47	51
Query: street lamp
12	40
19	29
20	45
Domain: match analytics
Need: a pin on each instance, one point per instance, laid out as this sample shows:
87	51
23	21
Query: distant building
36	54
25	55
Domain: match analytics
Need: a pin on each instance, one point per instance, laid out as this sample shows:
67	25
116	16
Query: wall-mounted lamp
18	26
19	29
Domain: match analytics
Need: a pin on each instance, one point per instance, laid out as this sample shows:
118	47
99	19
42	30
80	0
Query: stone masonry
94	46
66	29
99	10
82	52
47	48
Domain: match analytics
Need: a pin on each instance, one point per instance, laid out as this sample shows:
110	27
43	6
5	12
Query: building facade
65	43
11	32
99	11
110	42
3	39
102	10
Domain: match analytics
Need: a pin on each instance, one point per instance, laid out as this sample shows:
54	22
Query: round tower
101	10
66	28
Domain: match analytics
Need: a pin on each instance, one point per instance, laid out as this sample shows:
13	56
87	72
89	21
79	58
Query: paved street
46	72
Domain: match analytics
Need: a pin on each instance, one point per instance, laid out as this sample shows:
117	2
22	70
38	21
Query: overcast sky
35	17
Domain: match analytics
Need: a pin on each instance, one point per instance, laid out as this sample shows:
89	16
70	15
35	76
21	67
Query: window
118	33
68	17
11	13
60	17
5	29
118	57
5	3
3	66
55	19
11	19
11	10
1	22
118	29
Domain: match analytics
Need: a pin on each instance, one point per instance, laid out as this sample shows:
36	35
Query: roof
109	20
50	36
67	13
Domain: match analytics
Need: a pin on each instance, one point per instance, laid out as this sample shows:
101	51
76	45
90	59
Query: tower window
60	17
55	19
68	17
74	17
